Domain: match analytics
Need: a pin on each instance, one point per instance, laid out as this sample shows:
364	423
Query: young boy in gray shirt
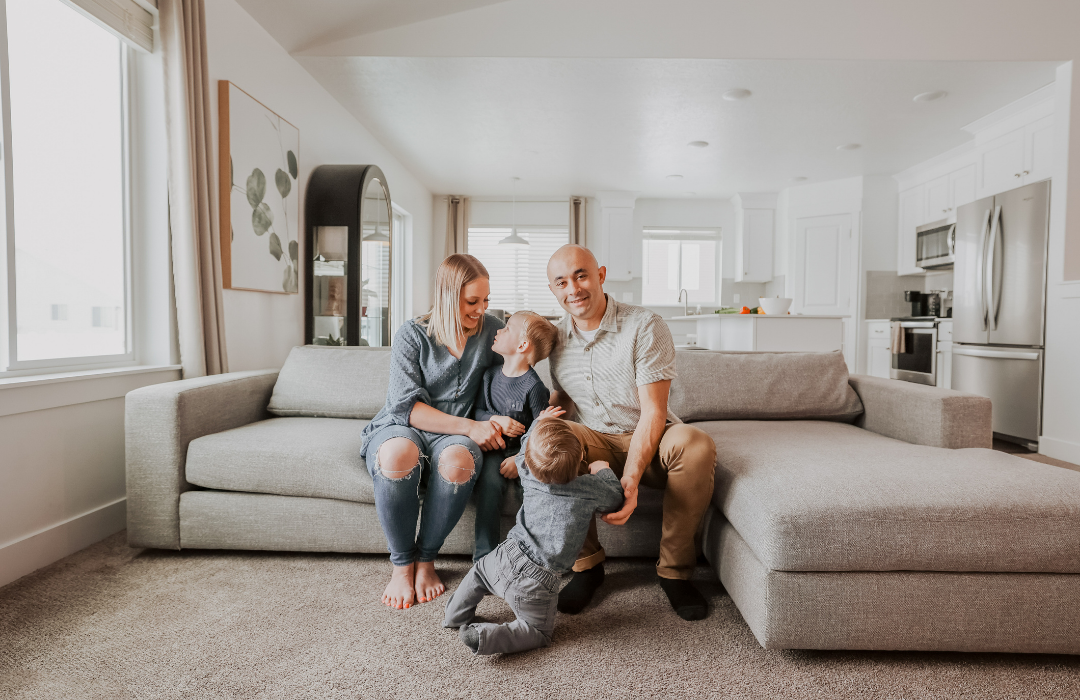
542	546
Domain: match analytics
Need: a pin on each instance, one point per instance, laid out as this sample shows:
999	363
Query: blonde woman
437	365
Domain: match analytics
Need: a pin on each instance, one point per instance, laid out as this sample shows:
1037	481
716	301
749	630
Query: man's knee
397	458
690	446
457	464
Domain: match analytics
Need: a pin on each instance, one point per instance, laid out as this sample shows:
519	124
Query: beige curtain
577	220
457	224
196	249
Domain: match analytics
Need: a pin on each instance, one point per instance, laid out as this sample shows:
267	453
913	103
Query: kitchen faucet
684	301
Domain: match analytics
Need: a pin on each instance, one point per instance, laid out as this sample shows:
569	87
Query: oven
914	351
935	245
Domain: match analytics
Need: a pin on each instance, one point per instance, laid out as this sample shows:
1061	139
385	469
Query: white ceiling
299	25
578	125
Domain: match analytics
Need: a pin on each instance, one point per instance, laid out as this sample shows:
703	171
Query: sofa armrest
159	422
923	415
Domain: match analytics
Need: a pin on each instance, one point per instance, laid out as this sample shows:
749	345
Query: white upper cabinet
961	188
1039	150
755	223
1000	164
912	213
617	234
937	199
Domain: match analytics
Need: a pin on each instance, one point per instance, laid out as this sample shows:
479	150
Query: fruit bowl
774	306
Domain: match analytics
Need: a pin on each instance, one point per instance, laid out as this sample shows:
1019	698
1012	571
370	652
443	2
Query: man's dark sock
577	594
688	603
470	636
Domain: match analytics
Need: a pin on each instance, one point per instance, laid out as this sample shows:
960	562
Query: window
67	189
519	272
400	273
677	259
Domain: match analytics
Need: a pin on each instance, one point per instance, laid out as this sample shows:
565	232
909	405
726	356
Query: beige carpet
112	622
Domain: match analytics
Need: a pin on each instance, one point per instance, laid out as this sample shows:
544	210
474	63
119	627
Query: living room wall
261	328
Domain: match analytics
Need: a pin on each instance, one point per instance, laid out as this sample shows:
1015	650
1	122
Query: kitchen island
762	333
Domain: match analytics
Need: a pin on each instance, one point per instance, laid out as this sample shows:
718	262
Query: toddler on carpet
560	500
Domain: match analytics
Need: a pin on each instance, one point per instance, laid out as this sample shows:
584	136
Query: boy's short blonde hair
541	334
553	452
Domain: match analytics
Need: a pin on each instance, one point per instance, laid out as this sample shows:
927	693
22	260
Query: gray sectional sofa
849	512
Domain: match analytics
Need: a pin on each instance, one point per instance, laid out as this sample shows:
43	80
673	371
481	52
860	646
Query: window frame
714	234
538	228
10	365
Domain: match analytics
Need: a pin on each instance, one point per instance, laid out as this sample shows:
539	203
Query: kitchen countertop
700	317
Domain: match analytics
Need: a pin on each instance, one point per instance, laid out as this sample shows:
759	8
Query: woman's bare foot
400	592
428	584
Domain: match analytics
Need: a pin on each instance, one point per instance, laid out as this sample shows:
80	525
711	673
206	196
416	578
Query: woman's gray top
423	370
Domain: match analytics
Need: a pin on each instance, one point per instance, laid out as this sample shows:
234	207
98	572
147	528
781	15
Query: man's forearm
644	443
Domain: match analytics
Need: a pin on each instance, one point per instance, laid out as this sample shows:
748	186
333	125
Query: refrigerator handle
980	267
993	265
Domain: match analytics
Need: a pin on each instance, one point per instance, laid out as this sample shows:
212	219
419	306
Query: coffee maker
918	302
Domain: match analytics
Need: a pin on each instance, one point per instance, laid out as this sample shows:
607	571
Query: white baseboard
29	554
1060	449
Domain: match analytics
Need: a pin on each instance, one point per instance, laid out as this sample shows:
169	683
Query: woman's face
474	302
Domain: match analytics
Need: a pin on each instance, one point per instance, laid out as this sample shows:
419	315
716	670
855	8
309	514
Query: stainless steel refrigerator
999	306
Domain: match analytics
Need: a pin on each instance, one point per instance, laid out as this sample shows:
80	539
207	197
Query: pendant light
514	238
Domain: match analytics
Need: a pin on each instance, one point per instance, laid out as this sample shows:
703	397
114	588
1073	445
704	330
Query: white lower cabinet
878	349
944	355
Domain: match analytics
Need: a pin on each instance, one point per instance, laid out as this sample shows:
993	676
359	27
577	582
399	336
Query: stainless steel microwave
935	245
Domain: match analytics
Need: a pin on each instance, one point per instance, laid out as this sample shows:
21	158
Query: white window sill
44	391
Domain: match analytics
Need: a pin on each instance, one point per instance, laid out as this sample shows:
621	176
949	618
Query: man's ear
602	274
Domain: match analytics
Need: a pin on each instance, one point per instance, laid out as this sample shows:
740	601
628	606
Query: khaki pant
683	467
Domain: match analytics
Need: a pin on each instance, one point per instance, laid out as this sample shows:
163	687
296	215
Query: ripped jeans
397	501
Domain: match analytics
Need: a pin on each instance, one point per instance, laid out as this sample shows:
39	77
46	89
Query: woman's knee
397	458
457	464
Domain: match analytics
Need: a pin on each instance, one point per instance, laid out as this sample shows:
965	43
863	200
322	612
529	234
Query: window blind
130	20
677	259
519	273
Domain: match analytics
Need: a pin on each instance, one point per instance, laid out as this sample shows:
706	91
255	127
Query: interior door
1018	262
823	273
972	227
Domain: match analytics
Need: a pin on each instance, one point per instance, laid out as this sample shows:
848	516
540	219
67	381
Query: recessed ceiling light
674	177
929	96
798	178
736	94
849	147
698	144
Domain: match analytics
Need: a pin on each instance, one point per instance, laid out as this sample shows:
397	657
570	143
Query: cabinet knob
1016	175
1027	172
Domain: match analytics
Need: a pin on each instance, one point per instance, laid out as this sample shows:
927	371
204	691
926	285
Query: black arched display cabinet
348	220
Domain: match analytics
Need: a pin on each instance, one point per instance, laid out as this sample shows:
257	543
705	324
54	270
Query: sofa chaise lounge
850	512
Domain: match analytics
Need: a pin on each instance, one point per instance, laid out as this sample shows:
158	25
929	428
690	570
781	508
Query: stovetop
921	318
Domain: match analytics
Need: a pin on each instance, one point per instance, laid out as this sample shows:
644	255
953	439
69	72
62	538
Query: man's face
577	282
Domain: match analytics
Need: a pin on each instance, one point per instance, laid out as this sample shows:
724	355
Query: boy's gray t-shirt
554	518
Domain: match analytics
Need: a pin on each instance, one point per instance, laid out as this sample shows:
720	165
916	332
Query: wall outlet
737	297
628	297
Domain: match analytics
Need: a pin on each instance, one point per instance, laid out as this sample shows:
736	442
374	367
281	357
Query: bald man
611	370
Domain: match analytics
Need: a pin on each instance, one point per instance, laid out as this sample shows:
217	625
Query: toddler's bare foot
400	592
428	584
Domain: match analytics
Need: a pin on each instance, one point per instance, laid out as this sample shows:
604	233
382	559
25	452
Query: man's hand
629	487
598	466
486	435
551	412
508	468
508	426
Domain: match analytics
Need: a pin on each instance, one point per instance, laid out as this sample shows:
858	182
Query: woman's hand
508	426
487	435
508	468
551	412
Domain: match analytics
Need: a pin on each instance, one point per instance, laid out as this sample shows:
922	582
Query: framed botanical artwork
260	196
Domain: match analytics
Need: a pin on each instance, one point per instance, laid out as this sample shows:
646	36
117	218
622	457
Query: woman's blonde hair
443	322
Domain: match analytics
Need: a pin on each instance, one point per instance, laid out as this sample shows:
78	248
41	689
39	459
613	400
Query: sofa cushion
763	386
314	457
818	496
332	382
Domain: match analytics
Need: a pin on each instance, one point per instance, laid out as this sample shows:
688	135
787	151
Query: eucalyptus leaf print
262	218
293	170
284	184
288	282
256	188
294	252
275	246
